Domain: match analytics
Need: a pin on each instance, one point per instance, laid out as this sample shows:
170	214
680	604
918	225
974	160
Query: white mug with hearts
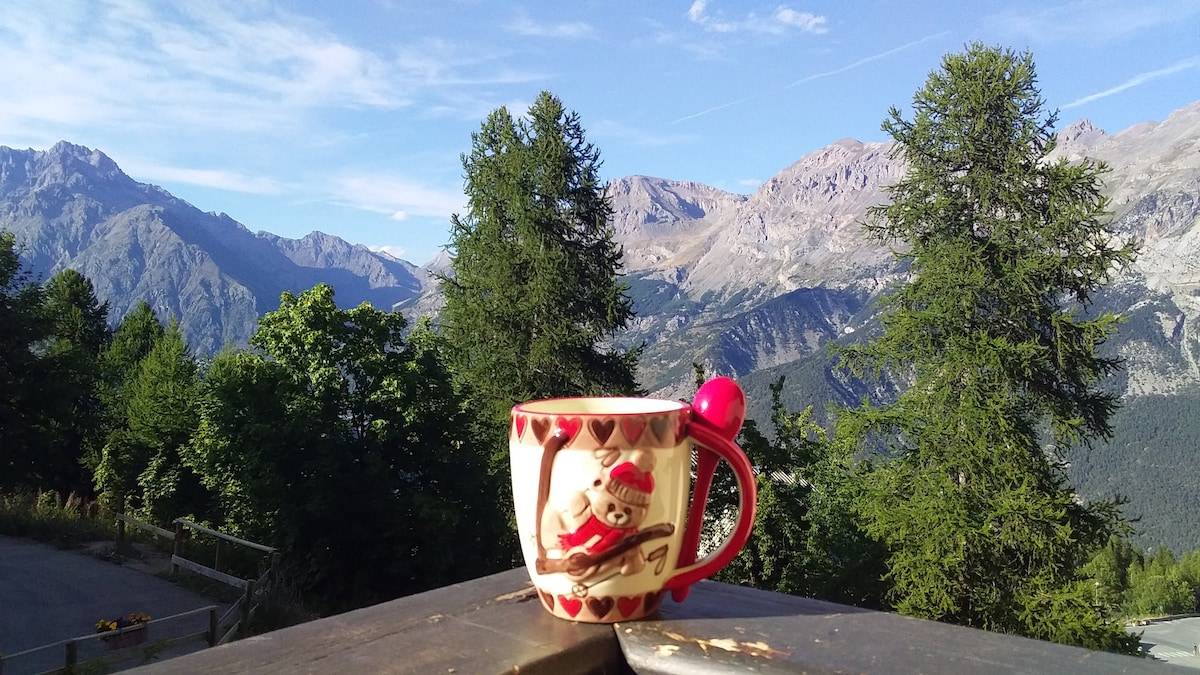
607	514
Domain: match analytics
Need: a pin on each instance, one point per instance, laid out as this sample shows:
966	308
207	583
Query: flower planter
126	637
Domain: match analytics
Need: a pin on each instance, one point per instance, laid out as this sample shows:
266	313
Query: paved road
47	595
1172	641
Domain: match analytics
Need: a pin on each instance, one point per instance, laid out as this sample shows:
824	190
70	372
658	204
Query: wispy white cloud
784	19
396	252
1136	80
398	197
815	76
864	61
713	109
226	67
1088	21
615	130
212	178
526	26
805	21
208	66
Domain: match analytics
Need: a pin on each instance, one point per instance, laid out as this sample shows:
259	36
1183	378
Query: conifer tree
140	464
24	398
79	324
534	299
1005	247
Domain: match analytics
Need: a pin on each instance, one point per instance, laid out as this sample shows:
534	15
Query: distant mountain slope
802	229
749	285
73	207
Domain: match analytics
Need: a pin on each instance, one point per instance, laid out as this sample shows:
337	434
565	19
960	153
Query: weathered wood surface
727	629
227	537
193	566
153	529
490	625
496	625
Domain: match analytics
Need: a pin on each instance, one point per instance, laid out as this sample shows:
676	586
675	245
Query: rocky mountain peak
440	263
1081	134
68	173
65	153
645	206
74	165
836	176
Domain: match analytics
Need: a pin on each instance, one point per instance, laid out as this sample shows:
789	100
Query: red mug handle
715	422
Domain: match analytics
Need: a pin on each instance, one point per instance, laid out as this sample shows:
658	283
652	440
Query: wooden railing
71	646
255	592
497	624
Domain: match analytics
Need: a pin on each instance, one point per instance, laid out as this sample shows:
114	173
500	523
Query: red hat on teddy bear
631	484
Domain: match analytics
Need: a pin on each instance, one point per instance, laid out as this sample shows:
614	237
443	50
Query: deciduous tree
806	539
343	442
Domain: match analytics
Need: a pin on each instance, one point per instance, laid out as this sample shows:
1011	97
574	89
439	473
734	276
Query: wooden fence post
72	656
177	548
217	557
212	628
120	523
272	580
249	598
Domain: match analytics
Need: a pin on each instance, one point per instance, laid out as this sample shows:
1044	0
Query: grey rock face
71	206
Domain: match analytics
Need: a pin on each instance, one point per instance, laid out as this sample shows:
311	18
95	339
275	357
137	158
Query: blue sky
350	117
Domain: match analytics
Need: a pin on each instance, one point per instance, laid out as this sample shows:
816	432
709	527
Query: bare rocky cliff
802	229
72	206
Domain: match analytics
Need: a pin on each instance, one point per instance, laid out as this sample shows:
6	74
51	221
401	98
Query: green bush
50	517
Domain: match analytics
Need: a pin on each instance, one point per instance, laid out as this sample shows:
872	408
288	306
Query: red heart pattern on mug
540	427
659	426
602	430
633	427
627	606
600	606
520	421
568	425
570	605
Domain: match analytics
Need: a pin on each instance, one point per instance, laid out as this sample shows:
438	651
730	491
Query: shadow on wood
497	625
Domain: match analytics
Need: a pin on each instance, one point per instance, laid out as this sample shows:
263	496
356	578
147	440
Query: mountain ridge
72	206
754	286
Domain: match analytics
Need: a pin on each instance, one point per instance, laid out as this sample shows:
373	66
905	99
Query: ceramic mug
601	488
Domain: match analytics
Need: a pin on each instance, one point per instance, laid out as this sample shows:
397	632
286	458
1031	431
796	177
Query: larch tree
1005	247
534	300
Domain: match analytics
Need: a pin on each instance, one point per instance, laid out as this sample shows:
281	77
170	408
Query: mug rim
616	406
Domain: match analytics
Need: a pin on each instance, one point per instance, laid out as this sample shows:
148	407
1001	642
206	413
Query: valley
753	286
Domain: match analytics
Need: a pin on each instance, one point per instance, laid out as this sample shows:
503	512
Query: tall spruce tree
534	300
80	332
139	468
1005	248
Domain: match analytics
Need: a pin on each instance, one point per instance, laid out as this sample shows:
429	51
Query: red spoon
720	404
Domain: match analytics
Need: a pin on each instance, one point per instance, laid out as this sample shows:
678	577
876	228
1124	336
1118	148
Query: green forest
373	452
